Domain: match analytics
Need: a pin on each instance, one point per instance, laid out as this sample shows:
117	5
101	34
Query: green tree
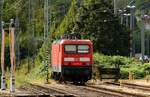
95	20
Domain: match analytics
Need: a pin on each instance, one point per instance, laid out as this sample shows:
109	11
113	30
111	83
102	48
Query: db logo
76	59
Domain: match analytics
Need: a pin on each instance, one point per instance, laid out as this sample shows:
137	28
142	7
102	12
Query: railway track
98	91
82	91
131	85
114	91
140	88
41	91
135	86
70	90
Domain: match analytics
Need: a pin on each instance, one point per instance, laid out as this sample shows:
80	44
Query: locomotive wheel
79	83
61	78
55	75
52	75
58	76
75	82
82	82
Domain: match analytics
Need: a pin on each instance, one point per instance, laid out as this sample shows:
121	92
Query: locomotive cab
72	60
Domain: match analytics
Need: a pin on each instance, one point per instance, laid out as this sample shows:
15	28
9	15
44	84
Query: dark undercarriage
73	74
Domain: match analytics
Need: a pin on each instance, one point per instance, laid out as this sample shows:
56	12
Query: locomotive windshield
83	49
70	48
73	49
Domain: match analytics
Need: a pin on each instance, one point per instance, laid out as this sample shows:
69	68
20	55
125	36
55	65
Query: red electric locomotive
72	60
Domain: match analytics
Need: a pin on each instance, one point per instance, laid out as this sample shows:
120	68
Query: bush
126	64
138	74
111	61
146	67
124	73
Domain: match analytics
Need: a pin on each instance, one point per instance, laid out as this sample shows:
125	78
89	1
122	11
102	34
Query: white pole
131	33
3	80
127	21
132	8
115	7
12	51
142	37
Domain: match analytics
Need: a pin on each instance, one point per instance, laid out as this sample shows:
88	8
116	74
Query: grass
35	75
38	75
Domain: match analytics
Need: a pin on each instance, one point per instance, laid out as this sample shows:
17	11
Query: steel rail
119	93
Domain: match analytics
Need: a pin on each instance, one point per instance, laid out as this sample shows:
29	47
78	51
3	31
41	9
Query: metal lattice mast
1	7
115	7
32	18
46	30
17	38
29	30
29	14
46	18
78	3
142	37
32	6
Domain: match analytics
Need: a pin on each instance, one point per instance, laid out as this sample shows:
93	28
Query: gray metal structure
31	29
12	55
47	15
46	18
142	36
144	6
115	7
3	79
1	11
132	17
17	39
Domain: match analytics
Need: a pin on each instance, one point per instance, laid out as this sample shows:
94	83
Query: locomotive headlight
69	59
85	59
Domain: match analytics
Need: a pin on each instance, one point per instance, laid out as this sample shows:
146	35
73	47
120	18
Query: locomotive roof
64	41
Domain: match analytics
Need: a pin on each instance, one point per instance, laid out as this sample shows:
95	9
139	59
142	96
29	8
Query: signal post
12	55
3	79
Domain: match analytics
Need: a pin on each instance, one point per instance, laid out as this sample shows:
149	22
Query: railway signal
12	55
3	80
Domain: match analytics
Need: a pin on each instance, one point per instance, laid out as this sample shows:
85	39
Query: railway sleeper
57	95
63	95
32	96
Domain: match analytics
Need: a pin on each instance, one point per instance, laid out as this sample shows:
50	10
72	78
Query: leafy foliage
111	61
127	65
95	20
